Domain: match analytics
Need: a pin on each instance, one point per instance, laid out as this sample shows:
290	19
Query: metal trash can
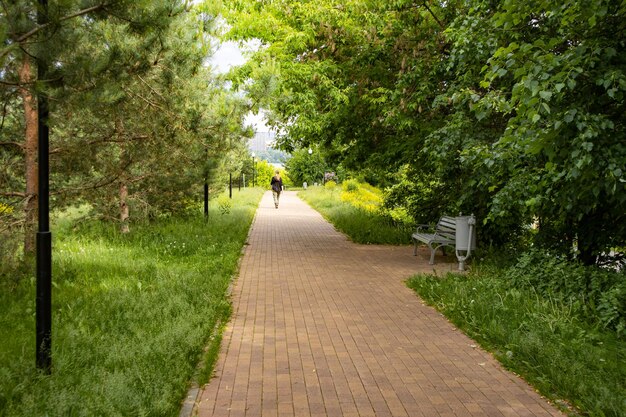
465	238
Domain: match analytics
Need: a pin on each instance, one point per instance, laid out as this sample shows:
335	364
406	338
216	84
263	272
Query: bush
350	185
398	215
225	204
13	265
600	294
11	250
362	196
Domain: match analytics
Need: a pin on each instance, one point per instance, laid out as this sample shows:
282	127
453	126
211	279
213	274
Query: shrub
599	293
11	245
398	215
350	185
13	266
224	204
330	185
363	196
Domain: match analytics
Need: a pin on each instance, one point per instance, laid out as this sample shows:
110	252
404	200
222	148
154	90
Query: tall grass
544	339
359	224
131	316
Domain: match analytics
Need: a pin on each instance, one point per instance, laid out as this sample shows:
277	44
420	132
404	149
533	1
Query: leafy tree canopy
511	110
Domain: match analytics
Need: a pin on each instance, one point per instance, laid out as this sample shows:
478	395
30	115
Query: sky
228	55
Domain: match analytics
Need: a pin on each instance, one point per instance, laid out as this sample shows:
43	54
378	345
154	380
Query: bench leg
432	255
415	248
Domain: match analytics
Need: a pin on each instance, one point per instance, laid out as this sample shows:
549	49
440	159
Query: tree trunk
588	243
124	210
30	154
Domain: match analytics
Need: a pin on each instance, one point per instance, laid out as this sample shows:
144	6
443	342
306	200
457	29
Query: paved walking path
325	327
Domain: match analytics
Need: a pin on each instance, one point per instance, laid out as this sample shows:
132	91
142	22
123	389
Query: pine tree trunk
124	210
30	155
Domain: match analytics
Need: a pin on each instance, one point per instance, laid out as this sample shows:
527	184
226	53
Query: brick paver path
325	327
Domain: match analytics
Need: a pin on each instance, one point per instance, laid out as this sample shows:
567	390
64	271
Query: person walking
277	187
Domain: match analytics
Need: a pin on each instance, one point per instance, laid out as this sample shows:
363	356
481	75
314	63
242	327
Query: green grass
132	316
359	225
543	339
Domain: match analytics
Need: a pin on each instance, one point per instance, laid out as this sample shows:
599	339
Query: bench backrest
446	226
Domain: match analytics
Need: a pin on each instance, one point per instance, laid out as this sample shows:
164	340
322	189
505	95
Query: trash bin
465	238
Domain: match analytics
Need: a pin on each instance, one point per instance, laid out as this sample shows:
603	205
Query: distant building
261	141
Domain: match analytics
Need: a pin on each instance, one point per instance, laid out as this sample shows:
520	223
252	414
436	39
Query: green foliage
11	257
561	89
544	339
304	167
330	186
598	294
364	196
131	315
344	83
264	173
422	201
225	204
350	185
359	224
287	181
513	111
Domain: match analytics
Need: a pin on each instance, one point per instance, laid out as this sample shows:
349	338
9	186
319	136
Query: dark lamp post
43	301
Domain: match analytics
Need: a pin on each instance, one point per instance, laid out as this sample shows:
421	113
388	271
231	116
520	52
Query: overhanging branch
13	194
36	29
17	144
425	3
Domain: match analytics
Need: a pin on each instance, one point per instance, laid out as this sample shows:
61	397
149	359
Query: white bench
440	236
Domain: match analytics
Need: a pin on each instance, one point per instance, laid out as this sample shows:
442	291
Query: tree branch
109	140
9	226
148	101
150	87
94	186
10	84
35	30
19	145
433	14
13	194
141	177
102	183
